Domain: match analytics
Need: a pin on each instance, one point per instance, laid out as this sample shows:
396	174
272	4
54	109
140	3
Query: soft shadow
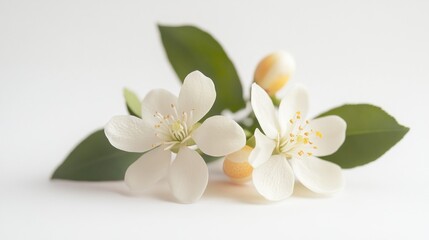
246	193
160	191
301	191
108	186
235	192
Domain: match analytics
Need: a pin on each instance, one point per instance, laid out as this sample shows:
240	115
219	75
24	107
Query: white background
63	65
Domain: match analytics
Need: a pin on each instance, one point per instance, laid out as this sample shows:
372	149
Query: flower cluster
288	148
274	145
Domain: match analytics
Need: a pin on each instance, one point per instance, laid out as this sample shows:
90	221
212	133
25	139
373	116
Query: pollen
300	139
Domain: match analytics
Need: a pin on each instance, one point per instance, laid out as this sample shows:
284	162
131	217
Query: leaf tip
125	91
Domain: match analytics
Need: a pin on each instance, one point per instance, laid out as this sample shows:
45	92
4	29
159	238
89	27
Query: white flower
170	124
291	145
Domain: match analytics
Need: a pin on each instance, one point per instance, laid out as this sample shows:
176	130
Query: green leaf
251	142
95	159
189	48
208	159
370	133
133	103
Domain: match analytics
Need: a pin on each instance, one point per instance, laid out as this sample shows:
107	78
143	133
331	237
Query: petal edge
131	134
264	111
274	180
318	175
148	170
197	94
188	176
263	149
219	136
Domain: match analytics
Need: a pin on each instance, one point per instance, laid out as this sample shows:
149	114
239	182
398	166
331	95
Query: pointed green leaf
133	103
370	133
94	159
189	48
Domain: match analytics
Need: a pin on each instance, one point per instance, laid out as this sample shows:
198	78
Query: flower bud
237	167
274	71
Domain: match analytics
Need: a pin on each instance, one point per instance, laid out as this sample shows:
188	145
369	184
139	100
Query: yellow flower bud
274	71
237	167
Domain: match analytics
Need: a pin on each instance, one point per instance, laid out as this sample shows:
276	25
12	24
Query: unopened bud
237	167
274	71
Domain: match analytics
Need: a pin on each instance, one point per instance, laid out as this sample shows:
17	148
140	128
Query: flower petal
265	112
263	149
131	134
148	169
198	95
274	179
188	176
332	133
318	175
219	136
157	100
295	101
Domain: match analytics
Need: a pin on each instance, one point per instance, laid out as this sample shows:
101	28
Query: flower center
173	129
299	140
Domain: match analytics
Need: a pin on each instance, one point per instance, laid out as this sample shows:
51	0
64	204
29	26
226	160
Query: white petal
131	134
157	100
197	94
264	111
274	179
148	169
296	100
263	149
318	175
188	176
219	136
333	134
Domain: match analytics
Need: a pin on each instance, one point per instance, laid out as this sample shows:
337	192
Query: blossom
169	124
274	71
291	144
